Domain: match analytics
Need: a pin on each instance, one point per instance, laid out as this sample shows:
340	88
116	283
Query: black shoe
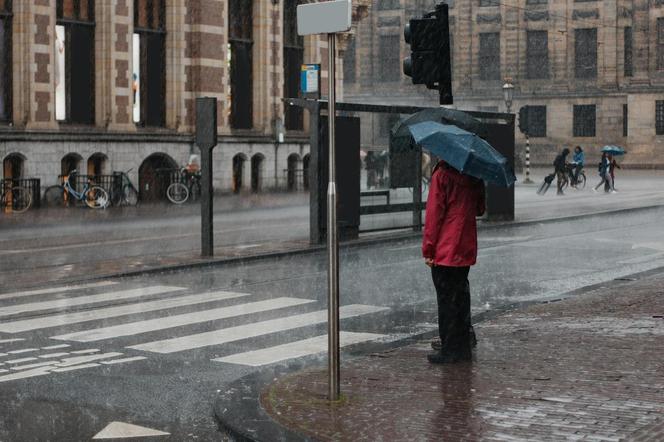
449	358
438	346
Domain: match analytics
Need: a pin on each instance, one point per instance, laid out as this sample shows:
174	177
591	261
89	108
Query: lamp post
508	94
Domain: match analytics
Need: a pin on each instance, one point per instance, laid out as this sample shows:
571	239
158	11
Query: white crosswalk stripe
112	312
223	336
107	323
50	290
84	300
296	349
139	327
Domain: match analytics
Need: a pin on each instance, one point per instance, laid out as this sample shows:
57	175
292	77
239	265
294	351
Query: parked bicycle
187	186
123	192
17	197
93	196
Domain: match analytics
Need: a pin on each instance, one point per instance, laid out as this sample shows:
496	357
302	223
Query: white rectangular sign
324	17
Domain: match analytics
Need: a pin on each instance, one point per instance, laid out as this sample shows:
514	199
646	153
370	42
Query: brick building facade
111	85
594	69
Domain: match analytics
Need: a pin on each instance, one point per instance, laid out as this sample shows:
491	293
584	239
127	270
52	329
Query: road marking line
67	362
40	371
18	361
294	350
65	288
218	337
3	354
3	371
56	347
122	430
135	328
9	341
38	364
122	361
83	300
53	355
85	352
24	350
74	367
642	259
58	320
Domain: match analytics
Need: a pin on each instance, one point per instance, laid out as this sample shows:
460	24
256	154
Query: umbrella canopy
401	138
614	150
465	151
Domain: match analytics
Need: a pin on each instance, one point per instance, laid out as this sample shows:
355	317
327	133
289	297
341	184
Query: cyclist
578	162
559	164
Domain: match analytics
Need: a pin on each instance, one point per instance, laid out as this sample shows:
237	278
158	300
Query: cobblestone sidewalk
587	368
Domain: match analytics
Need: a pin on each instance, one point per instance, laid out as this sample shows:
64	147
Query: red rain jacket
450	230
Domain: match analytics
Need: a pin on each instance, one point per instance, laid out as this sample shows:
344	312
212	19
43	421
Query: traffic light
429	61
523	119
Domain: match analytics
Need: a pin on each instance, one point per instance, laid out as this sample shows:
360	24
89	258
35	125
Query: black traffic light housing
523	119
429	61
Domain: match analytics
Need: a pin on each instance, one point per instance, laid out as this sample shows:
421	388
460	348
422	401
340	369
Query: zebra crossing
125	323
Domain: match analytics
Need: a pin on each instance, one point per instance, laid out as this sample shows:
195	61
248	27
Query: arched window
293	172
13	166
257	162
75	61
69	163
97	164
239	162
5	60
149	63
240	37
293	59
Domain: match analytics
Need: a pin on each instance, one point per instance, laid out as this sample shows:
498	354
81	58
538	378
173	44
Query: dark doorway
292	172
257	172
154	177
239	162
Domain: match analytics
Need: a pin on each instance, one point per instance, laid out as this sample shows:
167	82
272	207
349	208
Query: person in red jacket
449	247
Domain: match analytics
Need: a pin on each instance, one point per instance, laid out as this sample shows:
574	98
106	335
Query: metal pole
332	238
207	230
527	180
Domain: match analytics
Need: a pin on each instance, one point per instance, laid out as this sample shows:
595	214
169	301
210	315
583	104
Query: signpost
330	18
206	139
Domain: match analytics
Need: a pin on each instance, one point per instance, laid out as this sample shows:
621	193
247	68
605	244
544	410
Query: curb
240	415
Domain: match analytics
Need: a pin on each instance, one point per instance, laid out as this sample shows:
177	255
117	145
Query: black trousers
453	293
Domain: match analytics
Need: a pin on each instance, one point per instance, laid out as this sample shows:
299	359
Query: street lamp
508	94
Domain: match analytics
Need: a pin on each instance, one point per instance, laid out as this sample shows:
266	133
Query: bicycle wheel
177	193
54	196
581	182
130	196
96	198
20	199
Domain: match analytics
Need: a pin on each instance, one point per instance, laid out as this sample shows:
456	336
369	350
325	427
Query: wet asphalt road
170	382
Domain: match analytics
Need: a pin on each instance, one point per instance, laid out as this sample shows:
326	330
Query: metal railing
32	184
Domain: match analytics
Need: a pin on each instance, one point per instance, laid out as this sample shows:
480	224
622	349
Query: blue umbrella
614	150
464	151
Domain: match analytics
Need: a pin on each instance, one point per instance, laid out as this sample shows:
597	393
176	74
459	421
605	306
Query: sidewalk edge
249	422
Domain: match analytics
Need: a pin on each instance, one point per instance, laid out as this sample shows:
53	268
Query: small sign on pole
310	80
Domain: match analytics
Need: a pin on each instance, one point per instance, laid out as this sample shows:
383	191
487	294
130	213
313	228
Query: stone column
114	65
40	78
